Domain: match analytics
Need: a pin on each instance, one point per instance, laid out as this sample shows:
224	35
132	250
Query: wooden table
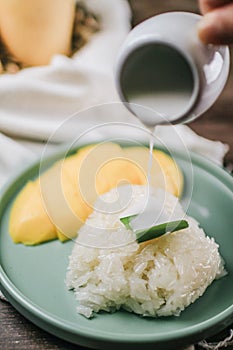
18	333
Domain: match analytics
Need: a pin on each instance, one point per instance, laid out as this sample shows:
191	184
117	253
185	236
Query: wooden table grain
216	124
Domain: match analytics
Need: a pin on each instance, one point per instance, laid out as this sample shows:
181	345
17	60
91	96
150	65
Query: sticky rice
109	270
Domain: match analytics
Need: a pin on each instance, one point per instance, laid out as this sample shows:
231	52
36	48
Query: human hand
216	27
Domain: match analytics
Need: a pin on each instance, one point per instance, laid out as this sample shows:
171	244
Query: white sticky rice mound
108	270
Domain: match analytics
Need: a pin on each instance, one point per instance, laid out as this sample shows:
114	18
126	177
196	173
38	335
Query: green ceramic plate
32	278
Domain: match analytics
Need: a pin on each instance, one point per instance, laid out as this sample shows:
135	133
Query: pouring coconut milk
165	75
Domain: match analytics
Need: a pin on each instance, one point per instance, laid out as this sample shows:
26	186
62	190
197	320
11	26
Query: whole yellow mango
33	31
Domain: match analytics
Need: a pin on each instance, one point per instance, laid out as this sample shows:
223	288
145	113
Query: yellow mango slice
164	172
173	175
140	157
105	167
57	204
29	222
62	198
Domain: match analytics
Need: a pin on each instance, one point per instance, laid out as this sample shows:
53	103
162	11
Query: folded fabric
213	150
12	156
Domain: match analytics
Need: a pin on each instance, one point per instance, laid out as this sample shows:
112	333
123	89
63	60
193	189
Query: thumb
216	27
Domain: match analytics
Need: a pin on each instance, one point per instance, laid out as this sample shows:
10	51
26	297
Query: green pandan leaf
159	230
126	221
154	231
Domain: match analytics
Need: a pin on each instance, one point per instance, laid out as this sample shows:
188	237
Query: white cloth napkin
36	101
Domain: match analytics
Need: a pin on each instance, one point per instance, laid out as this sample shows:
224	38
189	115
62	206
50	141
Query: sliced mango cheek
58	203
29	222
172	173
118	172
34	231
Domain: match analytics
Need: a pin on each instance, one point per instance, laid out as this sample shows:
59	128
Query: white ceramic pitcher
165	74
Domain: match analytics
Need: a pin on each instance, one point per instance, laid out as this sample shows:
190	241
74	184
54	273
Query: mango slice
171	172
164	172
57	203
29	222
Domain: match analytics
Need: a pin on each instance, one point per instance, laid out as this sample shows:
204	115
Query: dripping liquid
151	146
150	159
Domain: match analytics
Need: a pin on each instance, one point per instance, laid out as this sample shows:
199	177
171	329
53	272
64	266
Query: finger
209	5
216	27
